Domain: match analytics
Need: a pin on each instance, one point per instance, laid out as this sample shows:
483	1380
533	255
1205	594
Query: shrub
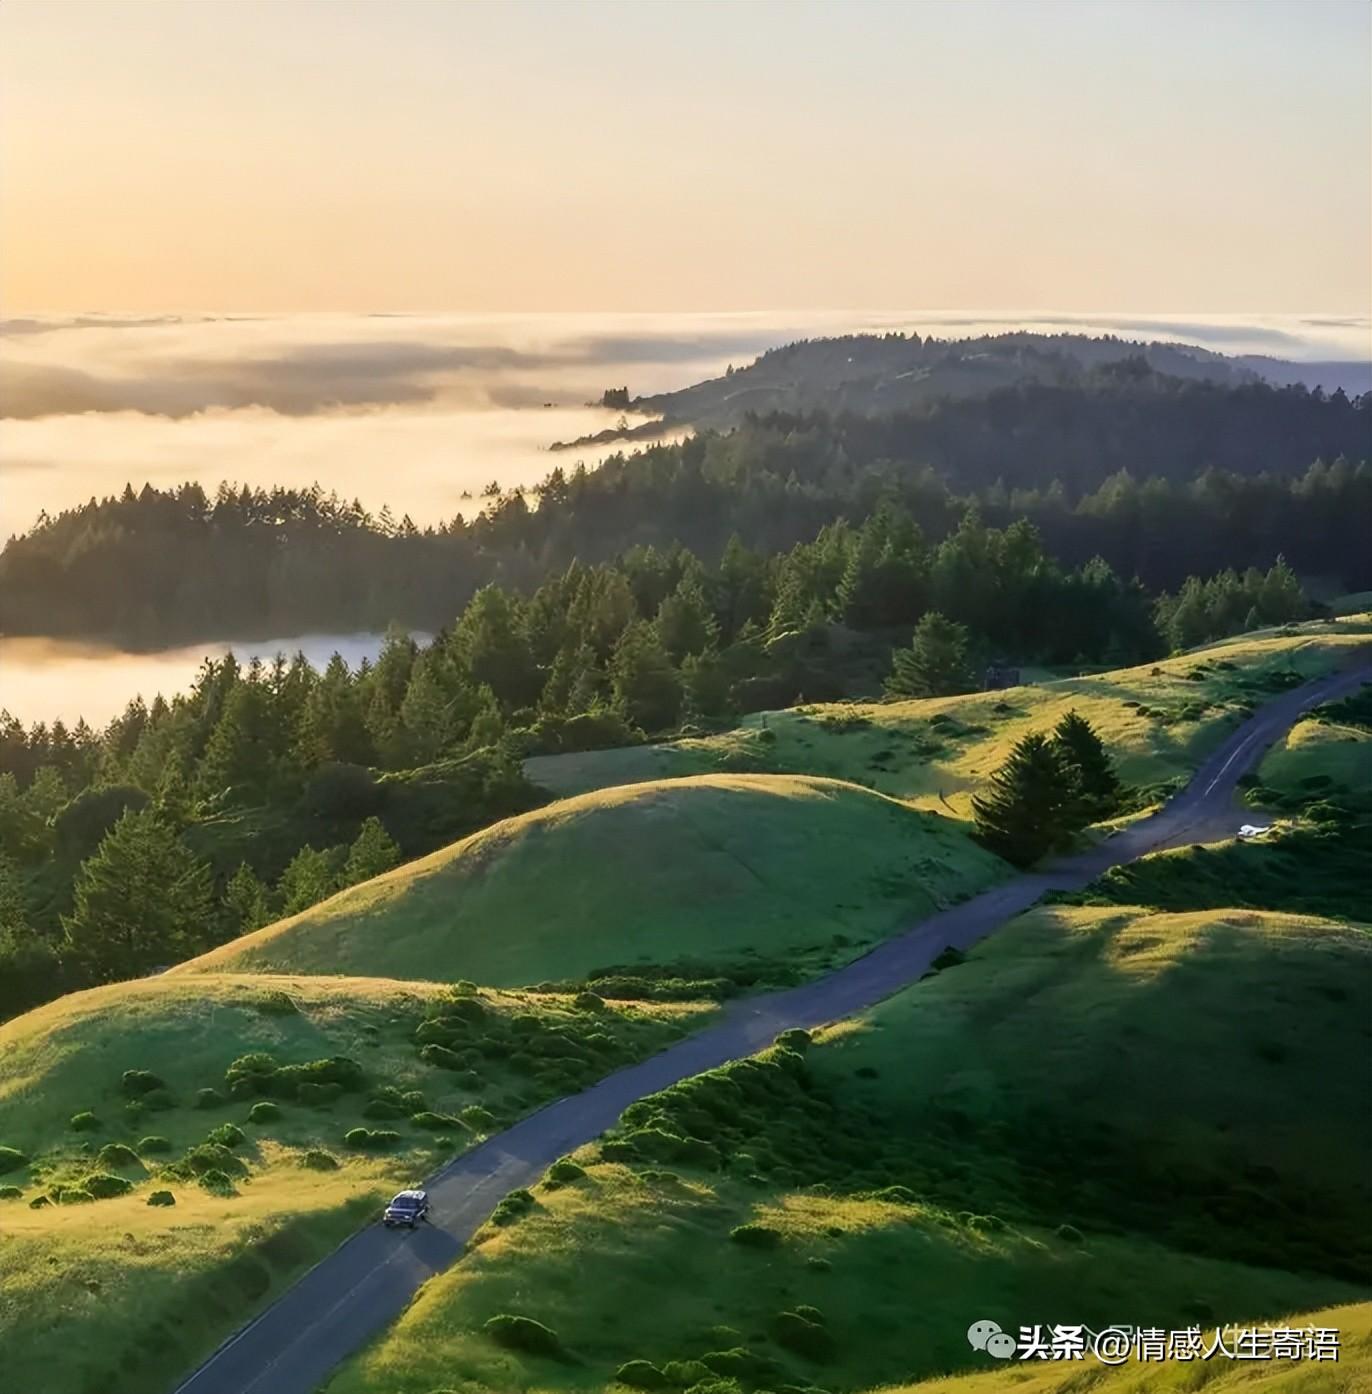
102	1185
522	1334
72	1195
218	1183
564	1170
10	1193
807	1338
139	1082
317	1095
228	1134
11	1159
794	1039
517	1203
756	1236
211	1156
413	1101
38	1202
209	1098
84	1122
276	1003
161	1099
641	1374
153	1145
371	1139
479	1119
466	1009
316	1159
819	1265
442	1057
115	1154
161	1198
380	1108
684	1374
896	1195
810	1314
436	1122
591	1002
1070	1234
263	1112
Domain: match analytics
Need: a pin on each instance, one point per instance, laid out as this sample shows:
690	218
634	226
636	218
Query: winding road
340	1304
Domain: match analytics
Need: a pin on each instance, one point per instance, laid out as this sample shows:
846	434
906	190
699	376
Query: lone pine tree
935	664
1083	752
1031	808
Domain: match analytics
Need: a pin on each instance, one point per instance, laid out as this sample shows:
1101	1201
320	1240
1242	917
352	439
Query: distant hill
875	374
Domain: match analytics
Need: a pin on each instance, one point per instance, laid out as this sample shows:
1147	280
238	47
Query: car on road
408	1208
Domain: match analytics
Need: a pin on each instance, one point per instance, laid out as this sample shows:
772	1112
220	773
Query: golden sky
296	155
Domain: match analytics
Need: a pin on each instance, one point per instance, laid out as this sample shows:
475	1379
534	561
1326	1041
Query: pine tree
141	899
685	623
1084	754
309	878
646	686
1029	811
373	851
935	664
246	901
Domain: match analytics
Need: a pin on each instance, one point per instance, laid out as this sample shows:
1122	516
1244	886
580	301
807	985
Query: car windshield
405	1203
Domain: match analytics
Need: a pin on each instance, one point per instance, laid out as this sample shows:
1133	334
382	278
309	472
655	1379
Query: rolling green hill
1088	1120
718	870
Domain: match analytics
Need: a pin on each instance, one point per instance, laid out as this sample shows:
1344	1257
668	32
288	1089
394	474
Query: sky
165	156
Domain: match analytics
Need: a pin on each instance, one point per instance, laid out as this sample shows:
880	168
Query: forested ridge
1161	478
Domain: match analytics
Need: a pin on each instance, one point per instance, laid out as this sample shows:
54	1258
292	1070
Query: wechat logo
987	1336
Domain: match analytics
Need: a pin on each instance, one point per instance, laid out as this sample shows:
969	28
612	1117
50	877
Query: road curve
366	1283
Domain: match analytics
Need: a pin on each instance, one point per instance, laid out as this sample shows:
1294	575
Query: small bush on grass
10	1192
466	1009
370	1139
227	1135
318	1095
161	1198
686	1374
316	1159
435	1122
642	1374
263	1112
442	1057
517	1203
807	1338
102	1185
523	1334
479	1119
139	1082
563	1171
38	1202
1070	1234
756	1236
115	1154
589	1002
160	1099
413	1101
218	1183
276	1003
72	1195
212	1156
795	1039
209	1098
150	1146
85	1122
11	1159
382	1108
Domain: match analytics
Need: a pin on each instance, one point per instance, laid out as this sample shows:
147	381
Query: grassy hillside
1160	720
720	870
1090	1116
94	1286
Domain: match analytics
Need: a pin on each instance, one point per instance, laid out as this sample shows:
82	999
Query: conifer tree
1029	810
373	851
246	900
1092	770
935	664
645	684
309	878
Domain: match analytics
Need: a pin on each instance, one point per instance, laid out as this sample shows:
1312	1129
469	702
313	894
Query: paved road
364	1285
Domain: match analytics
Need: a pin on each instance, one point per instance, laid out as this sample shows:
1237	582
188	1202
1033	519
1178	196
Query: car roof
411	1195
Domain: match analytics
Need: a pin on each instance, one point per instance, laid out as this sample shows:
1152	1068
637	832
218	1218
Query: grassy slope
118	1285
1189	1035
897	748
1317	757
712	868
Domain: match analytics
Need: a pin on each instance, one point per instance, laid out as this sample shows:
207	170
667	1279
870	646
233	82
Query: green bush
227	1135
264	1112
756	1236
466	1009
515	1204
436	1122
564	1170
318	1095
806	1338
589	1002
413	1101
794	1039
115	1154
10	1192
72	1195
38	1202
139	1082
686	1374
522	1334
819	1265
212	1156
370	1139
209	1098
479	1119
152	1145
161	1099
1070	1234
442	1057
276	1003
102	1185
641	1374
11	1159
218	1183
381	1108
896	1195
316	1159
85	1122
161	1198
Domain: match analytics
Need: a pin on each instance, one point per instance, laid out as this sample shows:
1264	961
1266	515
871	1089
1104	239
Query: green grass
1132	1075
1319	759
121	1291
1159	720
780	869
